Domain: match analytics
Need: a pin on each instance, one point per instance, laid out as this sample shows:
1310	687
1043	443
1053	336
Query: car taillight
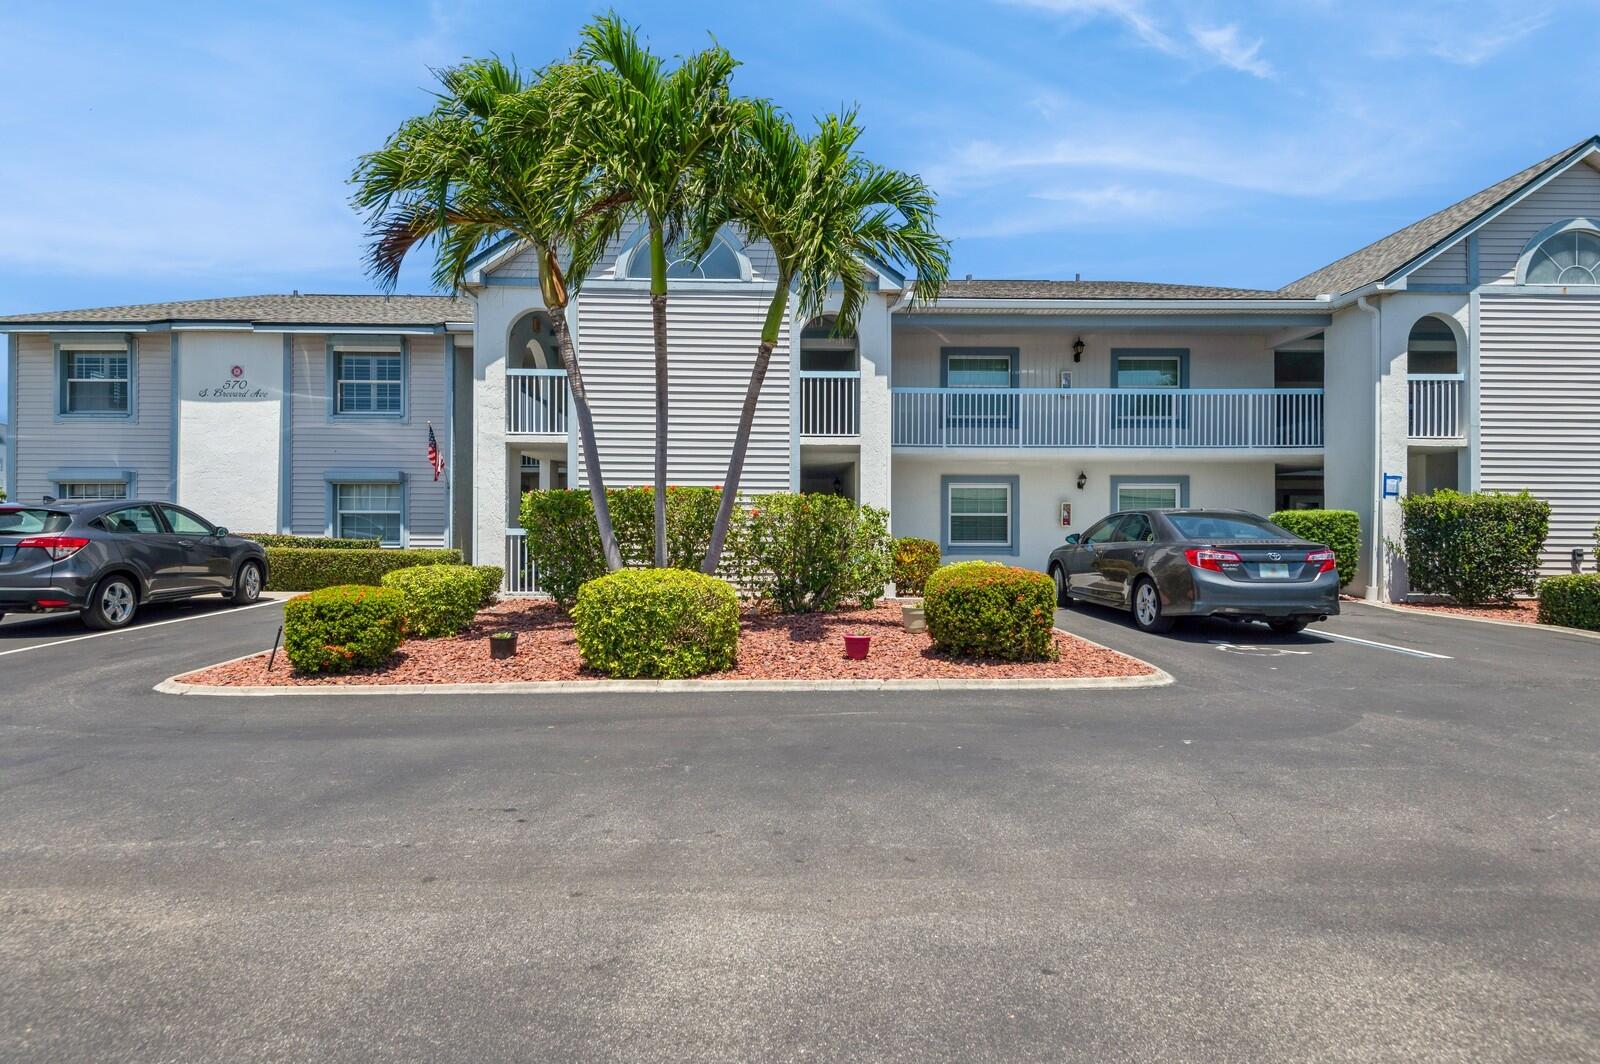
58	547
1329	560
1214	560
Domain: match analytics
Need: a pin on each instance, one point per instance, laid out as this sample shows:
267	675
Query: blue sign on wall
1391	485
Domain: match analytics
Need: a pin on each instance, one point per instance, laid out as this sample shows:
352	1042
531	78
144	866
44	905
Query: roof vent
1077	277
969	276
297	291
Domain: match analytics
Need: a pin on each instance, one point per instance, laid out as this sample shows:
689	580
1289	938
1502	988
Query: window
1149	371
1146	371
1226	526
185	523
95	382
975	370
980	515
23	521
367	511
1147	496
1135	528
370	384
135	520
92	490
1104	532
1571	257
720	262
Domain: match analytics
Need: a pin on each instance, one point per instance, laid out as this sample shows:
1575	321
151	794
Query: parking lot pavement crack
1216	800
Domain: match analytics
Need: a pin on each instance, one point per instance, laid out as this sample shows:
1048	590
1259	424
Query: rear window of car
25	521
1226	526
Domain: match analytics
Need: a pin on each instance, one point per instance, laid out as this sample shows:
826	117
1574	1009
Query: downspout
1375	585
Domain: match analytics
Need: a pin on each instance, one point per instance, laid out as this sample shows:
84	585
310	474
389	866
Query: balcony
1242	419
830	403
536	402
1436	401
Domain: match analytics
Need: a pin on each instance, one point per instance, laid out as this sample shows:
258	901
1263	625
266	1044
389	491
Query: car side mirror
1072	539
219	531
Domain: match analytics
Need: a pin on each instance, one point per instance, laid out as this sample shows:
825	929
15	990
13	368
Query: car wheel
113	603
1147	608
246	585
1063	599
1286	625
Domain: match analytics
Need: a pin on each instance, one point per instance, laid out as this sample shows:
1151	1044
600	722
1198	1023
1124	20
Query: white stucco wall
230	399
1044	483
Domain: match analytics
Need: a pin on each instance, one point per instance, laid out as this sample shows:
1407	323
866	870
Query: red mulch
1524	611
771	646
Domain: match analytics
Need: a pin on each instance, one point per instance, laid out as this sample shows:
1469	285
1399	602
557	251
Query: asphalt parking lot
1375	841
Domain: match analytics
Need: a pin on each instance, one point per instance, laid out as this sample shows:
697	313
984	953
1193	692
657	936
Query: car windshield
23	521
1226	526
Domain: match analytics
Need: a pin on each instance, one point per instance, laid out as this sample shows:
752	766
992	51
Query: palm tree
651	130
496	159
827	212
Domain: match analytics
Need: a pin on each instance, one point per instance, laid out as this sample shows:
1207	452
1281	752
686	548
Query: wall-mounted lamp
1083	478
1077	349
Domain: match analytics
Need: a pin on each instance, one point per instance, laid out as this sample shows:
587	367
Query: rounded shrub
491	577
1571	601
664	623
336	629
439	599
986	610
914	561
1338	530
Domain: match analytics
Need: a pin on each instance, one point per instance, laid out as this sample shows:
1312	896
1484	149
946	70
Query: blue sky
153	152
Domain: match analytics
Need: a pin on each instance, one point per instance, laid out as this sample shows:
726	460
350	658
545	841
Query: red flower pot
856	646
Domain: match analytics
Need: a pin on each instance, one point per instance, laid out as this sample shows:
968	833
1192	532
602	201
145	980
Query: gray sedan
1166	564
105	559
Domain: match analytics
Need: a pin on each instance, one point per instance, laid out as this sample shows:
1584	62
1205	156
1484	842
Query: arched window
532	344
1431	348
822	351
721	262
1571	256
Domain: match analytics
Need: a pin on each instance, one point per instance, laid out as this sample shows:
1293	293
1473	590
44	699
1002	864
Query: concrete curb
1411	611
1156	678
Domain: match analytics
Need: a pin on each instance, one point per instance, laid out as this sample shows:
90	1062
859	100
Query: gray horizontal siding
712	340
1575	193
524	266
1540	410
1450	267
321	443
141	444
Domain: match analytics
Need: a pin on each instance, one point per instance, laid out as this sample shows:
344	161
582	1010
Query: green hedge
914	561
276	539
665	623
490	578
1340	530
307	569
1571	601
994	611
1476	548
336	629
440	600
564	543
811	553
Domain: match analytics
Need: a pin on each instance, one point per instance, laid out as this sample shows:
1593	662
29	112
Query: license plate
1274	570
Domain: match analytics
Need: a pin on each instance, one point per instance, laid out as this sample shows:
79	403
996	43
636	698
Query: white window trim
1177	365
382	347
640	245
65	346
1525	260
1176	489
399	512
950	516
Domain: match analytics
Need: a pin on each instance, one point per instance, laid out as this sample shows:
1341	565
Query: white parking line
139	627
1384	646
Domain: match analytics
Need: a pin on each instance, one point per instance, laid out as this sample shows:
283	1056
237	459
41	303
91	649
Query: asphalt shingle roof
1382	257
272	310
976	289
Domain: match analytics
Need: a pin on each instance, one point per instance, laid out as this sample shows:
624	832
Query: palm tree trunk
658	322
747	420
586	440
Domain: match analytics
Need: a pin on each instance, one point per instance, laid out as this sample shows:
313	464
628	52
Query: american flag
435	459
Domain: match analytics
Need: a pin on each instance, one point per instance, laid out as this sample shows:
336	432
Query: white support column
874	470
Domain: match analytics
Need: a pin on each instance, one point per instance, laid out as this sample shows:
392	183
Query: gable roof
296	309
1383	257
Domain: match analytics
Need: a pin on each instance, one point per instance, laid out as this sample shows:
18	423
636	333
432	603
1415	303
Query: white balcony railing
521	577
536	402
830	403
1436	404
1195	418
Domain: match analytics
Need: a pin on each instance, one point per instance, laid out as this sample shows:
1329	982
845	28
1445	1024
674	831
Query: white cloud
1463	38
1228	47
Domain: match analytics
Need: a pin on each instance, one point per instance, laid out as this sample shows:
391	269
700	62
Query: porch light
1077	355
1083	478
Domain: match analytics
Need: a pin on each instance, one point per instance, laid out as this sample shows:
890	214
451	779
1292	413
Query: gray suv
106	559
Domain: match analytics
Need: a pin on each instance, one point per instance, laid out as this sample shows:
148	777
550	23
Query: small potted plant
913	615
856	646
503	645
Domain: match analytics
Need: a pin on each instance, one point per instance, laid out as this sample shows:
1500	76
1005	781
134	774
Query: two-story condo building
1462	351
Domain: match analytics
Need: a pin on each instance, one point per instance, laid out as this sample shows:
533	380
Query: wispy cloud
1225	45
1465	39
